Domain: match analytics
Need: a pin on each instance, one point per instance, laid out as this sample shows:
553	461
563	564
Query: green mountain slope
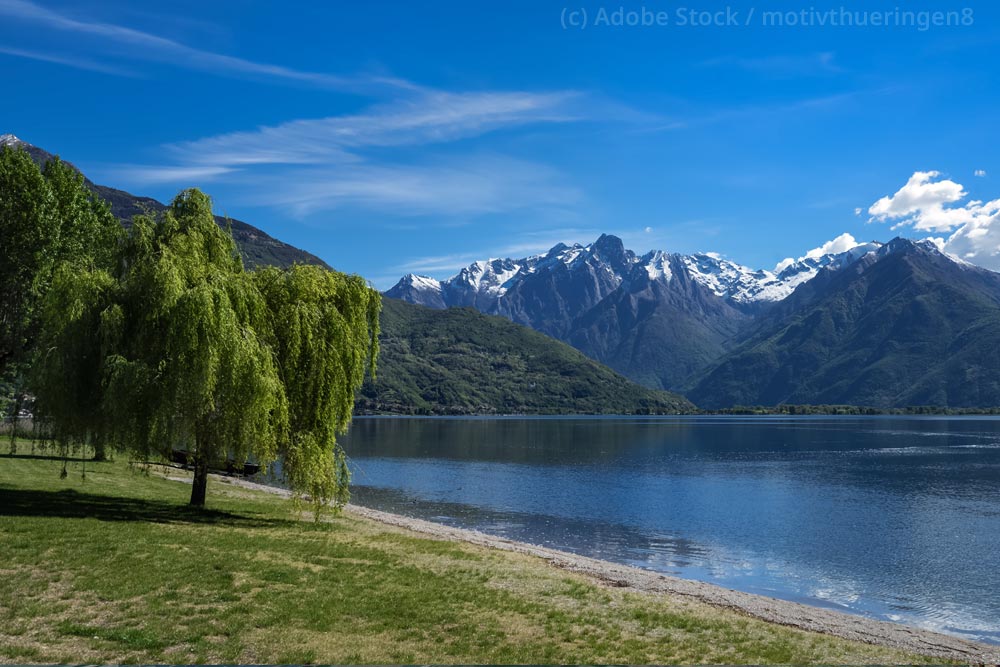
257	247
459	361
907	327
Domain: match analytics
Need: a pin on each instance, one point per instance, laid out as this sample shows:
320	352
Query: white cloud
842	243
123	43
857	211
979	172
921	203
975	225
648	230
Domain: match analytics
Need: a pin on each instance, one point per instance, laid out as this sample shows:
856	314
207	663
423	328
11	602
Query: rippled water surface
897	518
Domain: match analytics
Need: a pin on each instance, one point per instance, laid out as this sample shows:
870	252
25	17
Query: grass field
115	568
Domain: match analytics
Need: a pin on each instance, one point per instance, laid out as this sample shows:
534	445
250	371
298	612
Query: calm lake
891	517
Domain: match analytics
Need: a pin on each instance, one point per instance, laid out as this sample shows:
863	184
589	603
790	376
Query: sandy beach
793	614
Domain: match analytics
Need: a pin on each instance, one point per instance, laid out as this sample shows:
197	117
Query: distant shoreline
782	612
786	411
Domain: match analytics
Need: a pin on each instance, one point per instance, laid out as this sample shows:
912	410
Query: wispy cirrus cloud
470	186
118	42
76	62
312	165
430	117
146	175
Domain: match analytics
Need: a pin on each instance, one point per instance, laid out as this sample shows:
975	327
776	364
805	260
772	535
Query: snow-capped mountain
10	140
542	291
658	318
484	284
420	290
904	324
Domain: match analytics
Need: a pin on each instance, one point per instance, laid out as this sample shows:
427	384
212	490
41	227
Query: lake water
895	518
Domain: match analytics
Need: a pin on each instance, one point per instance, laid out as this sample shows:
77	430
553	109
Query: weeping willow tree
324	329
180	348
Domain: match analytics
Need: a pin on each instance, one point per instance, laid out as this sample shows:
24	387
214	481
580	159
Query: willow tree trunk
99	452
200	484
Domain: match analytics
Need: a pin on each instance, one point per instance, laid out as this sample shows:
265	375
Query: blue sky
390	137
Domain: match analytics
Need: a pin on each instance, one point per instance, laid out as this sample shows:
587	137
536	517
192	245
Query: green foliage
458	361
324	330
28	241
179	358
88	233
67	373
47	218
50	223
178	347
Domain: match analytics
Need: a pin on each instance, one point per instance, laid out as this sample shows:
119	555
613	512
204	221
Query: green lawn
114	568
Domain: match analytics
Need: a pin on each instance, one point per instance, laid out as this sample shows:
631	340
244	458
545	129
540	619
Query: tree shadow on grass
50	457
69	503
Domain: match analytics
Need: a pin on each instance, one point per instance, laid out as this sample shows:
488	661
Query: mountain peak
421	290
608	244
9	140
900	244
610	250
420	281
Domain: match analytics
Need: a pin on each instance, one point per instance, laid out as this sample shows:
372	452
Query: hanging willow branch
179	347
324	329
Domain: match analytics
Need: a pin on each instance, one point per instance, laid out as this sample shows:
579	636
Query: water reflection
895	517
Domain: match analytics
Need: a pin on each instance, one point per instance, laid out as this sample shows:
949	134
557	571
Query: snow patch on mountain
9	140
489	278
726	278
422	282
657	265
